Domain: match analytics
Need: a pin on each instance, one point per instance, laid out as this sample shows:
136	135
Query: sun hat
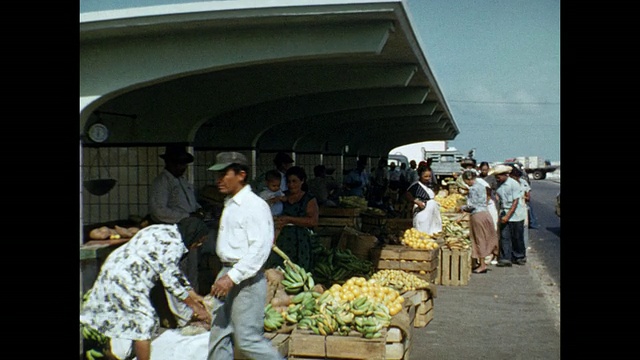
225	159
500	169
177	153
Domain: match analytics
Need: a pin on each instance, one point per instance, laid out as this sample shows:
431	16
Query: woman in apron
426	211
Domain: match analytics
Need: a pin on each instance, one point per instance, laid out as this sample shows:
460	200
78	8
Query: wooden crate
358	242
304	344
339	217
422	301
422	263
372	223
279	341
455	267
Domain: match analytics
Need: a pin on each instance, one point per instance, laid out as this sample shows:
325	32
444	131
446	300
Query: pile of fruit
450	202
400	280
417	239
353	202
456	234
359	305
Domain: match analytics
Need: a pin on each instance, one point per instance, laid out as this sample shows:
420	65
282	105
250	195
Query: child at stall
272	194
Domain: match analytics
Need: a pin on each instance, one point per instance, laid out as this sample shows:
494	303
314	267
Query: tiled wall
134	168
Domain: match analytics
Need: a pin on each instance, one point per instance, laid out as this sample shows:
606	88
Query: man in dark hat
172	198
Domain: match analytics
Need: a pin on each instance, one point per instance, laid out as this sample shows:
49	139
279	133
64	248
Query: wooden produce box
304	344
455	267
358	242
279	341
422	300
422	263
339	217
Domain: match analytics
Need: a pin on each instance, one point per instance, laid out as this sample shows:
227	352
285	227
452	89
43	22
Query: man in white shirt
244	243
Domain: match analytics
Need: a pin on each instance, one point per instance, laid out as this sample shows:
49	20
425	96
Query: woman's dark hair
299	172
484	163
421	169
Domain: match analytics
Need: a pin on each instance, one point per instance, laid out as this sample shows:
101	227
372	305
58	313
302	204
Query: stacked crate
455	267
421	263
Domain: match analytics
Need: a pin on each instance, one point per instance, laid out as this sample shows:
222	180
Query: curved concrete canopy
220	76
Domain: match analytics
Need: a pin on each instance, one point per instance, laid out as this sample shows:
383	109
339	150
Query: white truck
534	165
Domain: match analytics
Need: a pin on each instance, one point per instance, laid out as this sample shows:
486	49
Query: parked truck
534	165
444	163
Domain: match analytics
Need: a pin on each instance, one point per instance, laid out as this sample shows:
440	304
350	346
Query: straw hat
500	169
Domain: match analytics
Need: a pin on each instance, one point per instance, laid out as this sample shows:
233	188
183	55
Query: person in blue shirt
511	218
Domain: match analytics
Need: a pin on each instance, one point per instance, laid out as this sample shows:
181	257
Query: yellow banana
321	329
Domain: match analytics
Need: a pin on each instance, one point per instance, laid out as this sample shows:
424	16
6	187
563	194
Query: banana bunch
353	202
97	340
369	326
456	243
325	321
400	280
302	305
417	239
337	265
273	320
296	279
92	334
456	235
93	354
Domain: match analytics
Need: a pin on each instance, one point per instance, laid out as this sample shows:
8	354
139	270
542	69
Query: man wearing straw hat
510	218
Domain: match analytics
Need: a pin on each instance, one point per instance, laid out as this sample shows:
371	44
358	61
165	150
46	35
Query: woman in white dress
426	211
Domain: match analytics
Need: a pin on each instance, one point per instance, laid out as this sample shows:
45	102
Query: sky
497	63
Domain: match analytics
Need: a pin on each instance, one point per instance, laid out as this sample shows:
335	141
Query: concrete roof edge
217	6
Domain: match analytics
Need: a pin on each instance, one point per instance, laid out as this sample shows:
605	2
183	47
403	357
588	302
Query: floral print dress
119	304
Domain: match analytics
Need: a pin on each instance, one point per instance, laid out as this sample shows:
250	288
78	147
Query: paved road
507	313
